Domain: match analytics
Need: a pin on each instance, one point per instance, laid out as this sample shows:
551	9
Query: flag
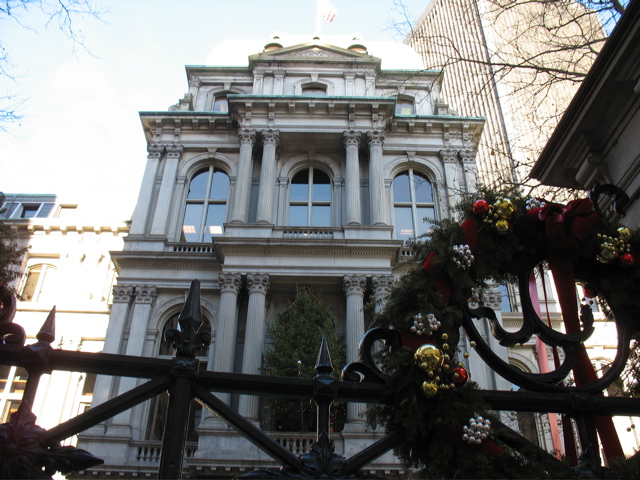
328	11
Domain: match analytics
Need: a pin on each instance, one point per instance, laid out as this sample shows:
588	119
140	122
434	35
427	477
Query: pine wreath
442	415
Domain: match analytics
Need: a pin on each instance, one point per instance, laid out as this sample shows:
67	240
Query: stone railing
297	443
149	452
308	233
192	247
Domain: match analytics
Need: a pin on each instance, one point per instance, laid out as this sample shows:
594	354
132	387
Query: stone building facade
310	165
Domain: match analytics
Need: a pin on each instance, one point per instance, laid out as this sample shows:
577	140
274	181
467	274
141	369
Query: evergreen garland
432	423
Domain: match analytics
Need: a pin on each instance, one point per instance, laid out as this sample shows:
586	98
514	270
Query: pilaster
270	139
242	192
163	204
379	208
142	211
351	140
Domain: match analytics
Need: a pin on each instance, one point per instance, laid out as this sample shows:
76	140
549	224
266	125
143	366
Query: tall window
412	203
310	199
12	383
221	104
39	282
206	208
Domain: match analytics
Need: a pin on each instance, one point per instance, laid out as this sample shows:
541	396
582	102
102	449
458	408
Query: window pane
19	380
321	186
401	188
4	374
298	215
321	216
215	218
424	212
300	187
29	290
89	384
29	211
220	186
423	189
191	224
404	108
314	91
221	104
404	223
9	408
198	185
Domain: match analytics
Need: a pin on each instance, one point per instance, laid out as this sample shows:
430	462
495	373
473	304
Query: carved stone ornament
375	138
230	282
247	136
449	155
175	151
146	294
382	285
23	456
257	282
351	137
271	137
354	284
122	293
155	150
314	52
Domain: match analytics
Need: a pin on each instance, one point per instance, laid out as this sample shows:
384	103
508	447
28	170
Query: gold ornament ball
505	208
445	336
429	389
608	252
502	226
429	357
624	233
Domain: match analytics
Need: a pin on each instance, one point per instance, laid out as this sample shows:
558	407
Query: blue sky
81	135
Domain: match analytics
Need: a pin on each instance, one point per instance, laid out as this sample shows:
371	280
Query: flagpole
318	18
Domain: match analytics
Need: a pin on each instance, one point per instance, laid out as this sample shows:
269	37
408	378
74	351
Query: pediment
312	51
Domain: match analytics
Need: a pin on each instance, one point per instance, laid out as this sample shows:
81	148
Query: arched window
39	282
314	89
206	208
412	203
405	106
310	199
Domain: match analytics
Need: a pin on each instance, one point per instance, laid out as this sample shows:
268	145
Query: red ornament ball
480	207
589	291
627	259
460	376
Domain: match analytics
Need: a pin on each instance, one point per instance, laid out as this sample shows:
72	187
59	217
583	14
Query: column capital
175	151
122	293
467	155
195	82
270	137
247	136
375	138
382	285
230	282
146	294
354	284
448	155
155	150
258	283
351	137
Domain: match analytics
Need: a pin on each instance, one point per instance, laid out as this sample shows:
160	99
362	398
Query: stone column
242	194
351	140
145	297
258	285
139	221
354	287
469	169
222	355
270	139
381	285
122	296
163	204
376	179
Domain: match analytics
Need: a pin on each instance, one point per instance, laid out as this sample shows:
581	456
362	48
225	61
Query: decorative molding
230	282
195	82
351	137
122	293
271	137
146	294
354	284
381	285
258	283
175	151
155	150
448	155
468	155
375	138
247	136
